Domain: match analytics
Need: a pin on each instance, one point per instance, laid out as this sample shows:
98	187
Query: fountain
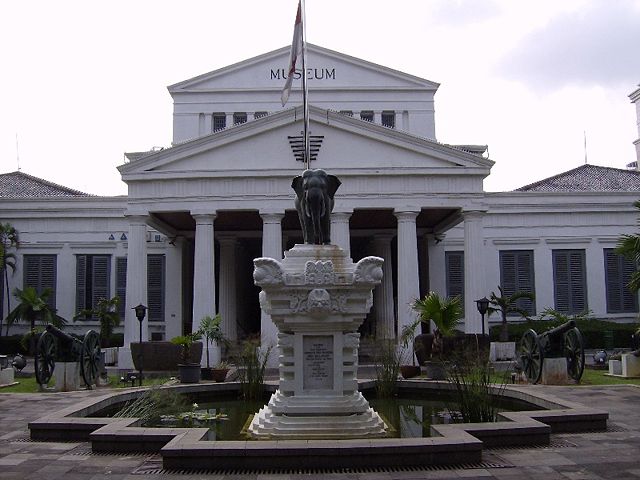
317	298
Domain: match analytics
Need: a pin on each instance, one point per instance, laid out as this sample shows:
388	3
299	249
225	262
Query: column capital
341	216
137	219
473	214
271	217
203	218
383	238
226	239
406	215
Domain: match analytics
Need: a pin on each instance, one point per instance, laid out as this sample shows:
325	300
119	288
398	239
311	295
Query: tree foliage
629	247
506	304
33	307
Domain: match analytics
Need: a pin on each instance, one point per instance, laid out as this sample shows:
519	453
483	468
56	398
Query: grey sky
599	45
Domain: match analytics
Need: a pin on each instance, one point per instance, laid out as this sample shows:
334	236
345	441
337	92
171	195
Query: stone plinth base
554	371
317	417
66	376
7	376
502	351
627	367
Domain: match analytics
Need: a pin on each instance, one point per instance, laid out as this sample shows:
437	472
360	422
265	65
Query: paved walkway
614	454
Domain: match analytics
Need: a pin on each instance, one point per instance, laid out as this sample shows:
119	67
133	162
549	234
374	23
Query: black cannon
55	345
563	341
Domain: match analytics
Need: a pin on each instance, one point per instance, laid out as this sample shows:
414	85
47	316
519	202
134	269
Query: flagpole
305	93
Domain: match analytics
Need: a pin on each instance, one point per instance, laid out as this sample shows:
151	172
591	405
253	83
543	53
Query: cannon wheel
574	351
90	358
531	356
45	357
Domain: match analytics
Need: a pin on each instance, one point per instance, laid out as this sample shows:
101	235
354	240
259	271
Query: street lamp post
141	310
483	306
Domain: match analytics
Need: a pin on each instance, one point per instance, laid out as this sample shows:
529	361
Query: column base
125	360
317	417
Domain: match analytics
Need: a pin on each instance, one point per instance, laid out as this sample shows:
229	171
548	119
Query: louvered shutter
40	273
155	287
517	275
454	266
100	279
121	284
81	282
569	278
618	271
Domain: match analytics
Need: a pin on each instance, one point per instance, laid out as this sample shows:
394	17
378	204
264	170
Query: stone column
340	231
227	288
408	279
384	311
377	117
271	248
136	288
204	278
474	275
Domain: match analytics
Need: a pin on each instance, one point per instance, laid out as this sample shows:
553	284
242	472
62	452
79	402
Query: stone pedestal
501	351
554	371
627	367
7	376
317	298
66	376
615	367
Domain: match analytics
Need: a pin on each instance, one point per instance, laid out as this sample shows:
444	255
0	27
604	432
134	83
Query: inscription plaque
317	362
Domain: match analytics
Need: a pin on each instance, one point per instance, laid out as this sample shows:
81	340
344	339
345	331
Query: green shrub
592	331
11	345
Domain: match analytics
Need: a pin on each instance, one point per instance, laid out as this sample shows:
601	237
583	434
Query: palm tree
34	307
506	304
443	312
629	247
8	239
106	311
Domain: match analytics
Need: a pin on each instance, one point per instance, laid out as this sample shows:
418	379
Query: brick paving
602	455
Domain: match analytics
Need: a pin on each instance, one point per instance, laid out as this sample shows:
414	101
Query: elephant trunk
316	209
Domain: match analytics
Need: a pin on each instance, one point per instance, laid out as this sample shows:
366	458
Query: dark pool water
408	416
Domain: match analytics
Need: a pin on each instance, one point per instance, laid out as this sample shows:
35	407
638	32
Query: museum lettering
312	73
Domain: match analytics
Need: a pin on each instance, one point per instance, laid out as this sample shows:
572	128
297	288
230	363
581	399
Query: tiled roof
588	178
21	185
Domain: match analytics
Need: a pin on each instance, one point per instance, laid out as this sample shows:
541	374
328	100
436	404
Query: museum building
197	213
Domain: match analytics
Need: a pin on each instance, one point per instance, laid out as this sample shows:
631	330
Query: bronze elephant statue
314	202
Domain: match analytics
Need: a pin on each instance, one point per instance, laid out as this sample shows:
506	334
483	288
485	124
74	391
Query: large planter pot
436	370
162	356
409	371
219	374
189	372
422	346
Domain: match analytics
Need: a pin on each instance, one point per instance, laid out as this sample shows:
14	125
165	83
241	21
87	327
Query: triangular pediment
326	69
348	144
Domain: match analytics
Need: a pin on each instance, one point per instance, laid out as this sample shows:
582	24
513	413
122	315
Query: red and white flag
296	52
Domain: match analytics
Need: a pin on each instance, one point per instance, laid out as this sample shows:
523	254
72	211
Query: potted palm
445	314
505	305
189	372
106	311
211	331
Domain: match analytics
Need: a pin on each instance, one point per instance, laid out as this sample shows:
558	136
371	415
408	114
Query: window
569	281
260	114
389	119
239	117
454	266
40	273
156	280
219	121
348	113
92	280
366	115
155	287
617	273
121	285
516	275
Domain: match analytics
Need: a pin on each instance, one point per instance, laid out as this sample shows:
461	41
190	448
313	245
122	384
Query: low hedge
11	345
595	333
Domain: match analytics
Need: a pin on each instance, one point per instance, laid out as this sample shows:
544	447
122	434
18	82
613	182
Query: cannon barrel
559	330
60	335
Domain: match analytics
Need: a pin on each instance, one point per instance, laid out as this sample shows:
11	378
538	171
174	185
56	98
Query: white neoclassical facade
198	212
